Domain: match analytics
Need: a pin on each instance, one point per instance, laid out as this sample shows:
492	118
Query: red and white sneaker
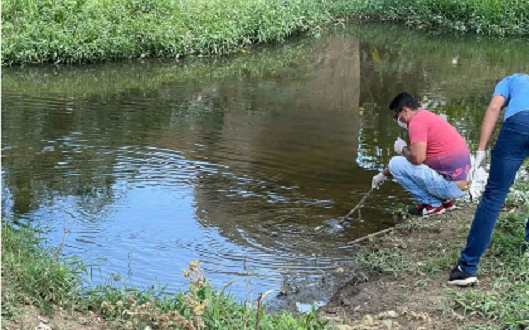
449	205
425	209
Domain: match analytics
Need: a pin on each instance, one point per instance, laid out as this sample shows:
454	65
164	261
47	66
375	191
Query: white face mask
401	124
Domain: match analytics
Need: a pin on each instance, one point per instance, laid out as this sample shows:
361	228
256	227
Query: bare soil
408	301
31	318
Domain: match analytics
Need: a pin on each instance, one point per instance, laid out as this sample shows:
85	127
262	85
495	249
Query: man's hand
479	161
399	144
377	180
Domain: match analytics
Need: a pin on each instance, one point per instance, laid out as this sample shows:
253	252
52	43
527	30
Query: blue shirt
515	89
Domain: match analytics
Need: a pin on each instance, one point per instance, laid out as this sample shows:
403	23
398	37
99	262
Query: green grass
490	17
507	300
32	274
79	31
73	31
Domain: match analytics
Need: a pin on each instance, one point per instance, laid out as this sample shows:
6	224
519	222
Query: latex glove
377	180
479	162
399	144
481	159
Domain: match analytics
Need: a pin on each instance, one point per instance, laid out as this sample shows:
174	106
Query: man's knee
397	164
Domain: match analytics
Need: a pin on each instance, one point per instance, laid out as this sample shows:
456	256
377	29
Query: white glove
399	145
481	159
479	181
479	162
377	180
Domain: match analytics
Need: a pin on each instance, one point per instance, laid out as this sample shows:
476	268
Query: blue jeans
425	184
510	151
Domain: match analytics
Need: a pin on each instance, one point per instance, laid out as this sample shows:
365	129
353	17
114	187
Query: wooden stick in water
358	205
353	210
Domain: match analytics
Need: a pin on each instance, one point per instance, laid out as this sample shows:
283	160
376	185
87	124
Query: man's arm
416	154
490	120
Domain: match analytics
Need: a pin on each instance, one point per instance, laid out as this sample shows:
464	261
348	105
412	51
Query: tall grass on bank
34	275
68	31
489	17
76	31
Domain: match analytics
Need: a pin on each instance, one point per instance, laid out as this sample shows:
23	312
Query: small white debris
42	319
43	326
392	314
339	270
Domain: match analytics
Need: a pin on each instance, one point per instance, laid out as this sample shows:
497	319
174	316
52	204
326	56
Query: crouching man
435	166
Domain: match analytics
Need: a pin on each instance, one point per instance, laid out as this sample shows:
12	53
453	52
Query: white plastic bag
477	187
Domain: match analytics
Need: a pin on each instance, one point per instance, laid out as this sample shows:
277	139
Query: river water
232	161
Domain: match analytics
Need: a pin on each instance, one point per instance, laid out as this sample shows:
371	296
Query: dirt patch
30	317
406	287
411	307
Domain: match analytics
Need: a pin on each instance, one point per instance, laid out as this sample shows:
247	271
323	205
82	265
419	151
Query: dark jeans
510	151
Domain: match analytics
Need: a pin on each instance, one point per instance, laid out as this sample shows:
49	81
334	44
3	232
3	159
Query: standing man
434	168
510	151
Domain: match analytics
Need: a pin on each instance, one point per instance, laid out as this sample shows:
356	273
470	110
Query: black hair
403	100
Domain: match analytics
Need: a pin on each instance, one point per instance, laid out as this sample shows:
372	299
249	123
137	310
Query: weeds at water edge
32	276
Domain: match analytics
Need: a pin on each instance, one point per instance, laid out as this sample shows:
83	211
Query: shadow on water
234	161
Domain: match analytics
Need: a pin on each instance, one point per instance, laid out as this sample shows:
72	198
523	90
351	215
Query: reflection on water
231	161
